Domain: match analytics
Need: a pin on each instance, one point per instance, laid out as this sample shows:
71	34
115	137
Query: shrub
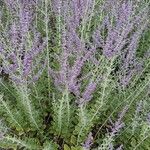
67	68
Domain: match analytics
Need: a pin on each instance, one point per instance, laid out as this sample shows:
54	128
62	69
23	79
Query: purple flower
88	142
68	74
88	91
39	73
38	45
117	32
27	62
118	125
15	35
22	61
25	20
10	63
125	29
125	79
87	94
139	107
12	5
57	6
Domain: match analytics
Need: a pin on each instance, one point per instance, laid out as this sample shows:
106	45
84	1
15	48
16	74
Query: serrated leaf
73	139
49	145
66	147
133	142
76	148
7	145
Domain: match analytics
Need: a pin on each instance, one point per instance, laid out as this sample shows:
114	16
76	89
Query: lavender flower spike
88	91
89	141
87	94
118	124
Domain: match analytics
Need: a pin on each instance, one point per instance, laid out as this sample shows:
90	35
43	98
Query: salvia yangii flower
20	62
87	94
118	125
88	142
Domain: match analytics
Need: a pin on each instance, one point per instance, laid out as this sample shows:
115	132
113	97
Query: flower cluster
118	124
117	37
73	47
89	59
19	60
88	142
124	27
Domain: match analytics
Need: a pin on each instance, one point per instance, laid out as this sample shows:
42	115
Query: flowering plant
67	68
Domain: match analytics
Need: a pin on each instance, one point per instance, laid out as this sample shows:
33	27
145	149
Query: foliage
74	75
